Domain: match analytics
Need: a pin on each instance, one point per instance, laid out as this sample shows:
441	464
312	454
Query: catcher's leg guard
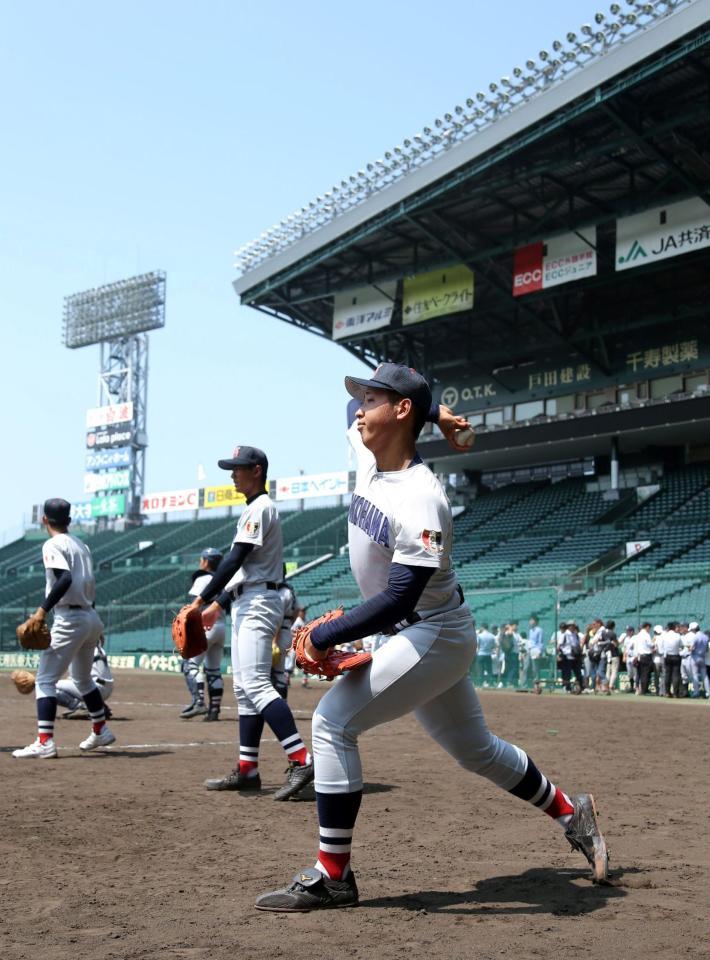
215	688
191	669
280	682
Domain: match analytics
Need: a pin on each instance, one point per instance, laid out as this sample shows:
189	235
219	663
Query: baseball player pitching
207	665
249	576
76	631
400	536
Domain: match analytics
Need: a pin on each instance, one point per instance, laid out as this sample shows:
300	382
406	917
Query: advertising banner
222	496
362	310
549	263
437	294
113	505
170	501
661	233
107	416
630	361
112	480
106	459
312	485
109	437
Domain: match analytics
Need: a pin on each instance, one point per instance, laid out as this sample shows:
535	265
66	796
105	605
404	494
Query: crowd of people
670	661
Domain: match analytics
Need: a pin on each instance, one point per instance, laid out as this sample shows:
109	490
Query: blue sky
162	135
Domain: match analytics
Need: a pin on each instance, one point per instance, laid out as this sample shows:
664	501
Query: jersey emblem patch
251	528
433	542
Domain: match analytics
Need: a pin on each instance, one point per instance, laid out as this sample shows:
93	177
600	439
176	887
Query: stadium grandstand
542	254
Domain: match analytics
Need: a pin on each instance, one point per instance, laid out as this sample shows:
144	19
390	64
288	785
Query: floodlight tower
117	317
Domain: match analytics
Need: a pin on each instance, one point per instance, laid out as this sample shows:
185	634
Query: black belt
77	606
269	584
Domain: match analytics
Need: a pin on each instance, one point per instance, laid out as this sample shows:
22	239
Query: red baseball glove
189	633
336	662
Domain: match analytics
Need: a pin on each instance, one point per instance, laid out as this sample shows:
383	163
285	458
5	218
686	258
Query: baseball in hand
464	437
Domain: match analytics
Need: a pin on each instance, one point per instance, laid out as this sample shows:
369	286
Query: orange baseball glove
336	662
189	633
33	634
23	680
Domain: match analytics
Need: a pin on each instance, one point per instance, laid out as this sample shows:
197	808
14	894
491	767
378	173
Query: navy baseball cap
57	511
397	377
245	457
211	553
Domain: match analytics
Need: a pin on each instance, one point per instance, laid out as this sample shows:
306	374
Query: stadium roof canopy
605	124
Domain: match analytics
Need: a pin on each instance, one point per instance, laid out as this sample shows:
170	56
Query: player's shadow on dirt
540	891
308	794
377	788
133	754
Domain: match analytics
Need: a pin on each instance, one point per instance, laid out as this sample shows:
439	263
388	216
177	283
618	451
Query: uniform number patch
433	541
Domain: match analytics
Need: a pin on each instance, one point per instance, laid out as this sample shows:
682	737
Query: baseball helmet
212	553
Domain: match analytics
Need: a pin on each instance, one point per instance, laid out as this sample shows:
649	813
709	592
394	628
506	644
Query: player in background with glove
208	664
400	532
249	575
76	630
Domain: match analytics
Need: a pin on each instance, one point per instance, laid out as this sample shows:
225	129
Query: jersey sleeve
253	524
52	556
422	538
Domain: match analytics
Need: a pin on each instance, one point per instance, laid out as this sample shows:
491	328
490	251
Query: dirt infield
124	855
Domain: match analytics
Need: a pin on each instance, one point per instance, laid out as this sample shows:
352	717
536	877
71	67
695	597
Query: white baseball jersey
260	526
200	583
64	552
402	516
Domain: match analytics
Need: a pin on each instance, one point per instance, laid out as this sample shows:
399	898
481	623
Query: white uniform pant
211	659
256	617
686	669
75	633
424	668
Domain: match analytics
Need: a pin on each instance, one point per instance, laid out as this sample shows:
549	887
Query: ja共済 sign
663	232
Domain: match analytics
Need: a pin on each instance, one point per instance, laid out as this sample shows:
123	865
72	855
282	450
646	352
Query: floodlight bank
551	67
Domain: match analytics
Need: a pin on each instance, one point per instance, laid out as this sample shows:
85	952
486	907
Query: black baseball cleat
584	835
236	780
108	712
310	890
212	715
298	776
